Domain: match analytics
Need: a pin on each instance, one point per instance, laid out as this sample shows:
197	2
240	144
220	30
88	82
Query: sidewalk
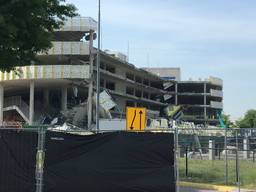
219	188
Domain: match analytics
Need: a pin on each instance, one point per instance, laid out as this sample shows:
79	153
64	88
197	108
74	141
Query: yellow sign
135	119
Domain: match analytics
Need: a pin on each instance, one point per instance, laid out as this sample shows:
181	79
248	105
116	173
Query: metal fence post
40	160
186	161
237	164
219	151
176	138
226	158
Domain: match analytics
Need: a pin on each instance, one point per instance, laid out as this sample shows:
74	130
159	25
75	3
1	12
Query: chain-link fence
40	159
217	156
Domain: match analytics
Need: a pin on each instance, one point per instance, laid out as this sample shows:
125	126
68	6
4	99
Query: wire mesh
202	157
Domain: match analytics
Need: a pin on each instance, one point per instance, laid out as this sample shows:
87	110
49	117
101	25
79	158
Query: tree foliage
227	121
26	28
249	120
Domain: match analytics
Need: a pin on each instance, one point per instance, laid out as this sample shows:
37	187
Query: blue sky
202	37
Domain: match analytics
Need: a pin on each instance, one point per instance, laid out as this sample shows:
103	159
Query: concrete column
64	98
205	112
176	93
211	150
246	148
1	104
31	101
46	97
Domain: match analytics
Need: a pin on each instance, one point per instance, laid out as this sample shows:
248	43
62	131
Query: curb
219	188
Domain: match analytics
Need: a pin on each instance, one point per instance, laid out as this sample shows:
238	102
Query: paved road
187	189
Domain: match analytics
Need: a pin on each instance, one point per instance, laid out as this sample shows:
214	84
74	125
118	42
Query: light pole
98	74
90	90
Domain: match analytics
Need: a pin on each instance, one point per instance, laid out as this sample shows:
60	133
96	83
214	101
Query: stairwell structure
52	77
63	80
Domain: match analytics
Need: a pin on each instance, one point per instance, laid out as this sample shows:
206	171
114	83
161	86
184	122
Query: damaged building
201	100
59	81
62	84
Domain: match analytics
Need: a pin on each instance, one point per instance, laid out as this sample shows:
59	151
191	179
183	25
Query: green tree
249	120
227	121
26	28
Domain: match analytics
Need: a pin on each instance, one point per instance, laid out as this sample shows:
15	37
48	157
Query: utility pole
98	74
90	90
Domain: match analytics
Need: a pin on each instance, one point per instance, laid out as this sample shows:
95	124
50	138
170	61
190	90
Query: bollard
178	150
246	152
211	150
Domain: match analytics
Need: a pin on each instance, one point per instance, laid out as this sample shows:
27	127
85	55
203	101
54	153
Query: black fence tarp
110	162
17	160
105	162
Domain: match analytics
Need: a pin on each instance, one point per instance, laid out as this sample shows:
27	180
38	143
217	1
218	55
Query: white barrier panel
68	48
216	93
216	81
216	105
47	72
79	24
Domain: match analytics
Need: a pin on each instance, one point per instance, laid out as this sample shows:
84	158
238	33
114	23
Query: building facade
201	100
62	81
166	73
61	78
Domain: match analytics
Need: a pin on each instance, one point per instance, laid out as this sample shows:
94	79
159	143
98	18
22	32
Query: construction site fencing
24	165
21	157
217	156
